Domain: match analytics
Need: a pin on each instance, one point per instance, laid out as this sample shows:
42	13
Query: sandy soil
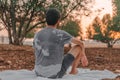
22	57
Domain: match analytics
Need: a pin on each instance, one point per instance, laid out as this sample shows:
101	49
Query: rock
118	71
1	67
1	59
9	62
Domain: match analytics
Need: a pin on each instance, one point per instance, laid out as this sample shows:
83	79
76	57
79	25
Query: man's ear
58	21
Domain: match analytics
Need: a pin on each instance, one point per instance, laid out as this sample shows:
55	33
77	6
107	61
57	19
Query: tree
116	16
103	30
1	28
90	32
72	27
21	16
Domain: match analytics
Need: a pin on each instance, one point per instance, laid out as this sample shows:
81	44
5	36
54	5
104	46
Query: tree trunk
10	36
18	40
109	45
10	40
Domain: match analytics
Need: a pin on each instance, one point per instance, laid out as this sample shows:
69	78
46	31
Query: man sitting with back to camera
50	61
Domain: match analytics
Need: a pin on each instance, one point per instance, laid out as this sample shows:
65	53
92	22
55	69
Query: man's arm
80	43
83	56
76	41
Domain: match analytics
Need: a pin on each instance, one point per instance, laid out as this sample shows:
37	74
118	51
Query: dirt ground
22	57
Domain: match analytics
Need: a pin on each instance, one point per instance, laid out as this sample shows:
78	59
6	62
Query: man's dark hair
52	16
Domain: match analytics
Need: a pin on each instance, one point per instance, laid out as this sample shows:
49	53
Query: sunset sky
104	6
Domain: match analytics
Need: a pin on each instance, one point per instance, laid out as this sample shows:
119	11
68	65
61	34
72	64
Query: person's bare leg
75	51
75	65
78	53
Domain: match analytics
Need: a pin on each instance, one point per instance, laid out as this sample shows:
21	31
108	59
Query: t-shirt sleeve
66	38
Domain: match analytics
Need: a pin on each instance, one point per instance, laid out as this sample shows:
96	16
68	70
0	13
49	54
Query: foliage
89	32
116	7
72	27
21	16
103	30
116	15
107	30
30	35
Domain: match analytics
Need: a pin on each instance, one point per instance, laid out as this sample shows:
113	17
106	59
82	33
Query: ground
22	57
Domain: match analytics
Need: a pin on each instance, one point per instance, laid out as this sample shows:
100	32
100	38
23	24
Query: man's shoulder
40	31
60	31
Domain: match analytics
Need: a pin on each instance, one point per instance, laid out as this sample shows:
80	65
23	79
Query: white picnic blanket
83	74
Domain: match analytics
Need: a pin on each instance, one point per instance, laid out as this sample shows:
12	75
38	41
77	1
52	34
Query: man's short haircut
52	16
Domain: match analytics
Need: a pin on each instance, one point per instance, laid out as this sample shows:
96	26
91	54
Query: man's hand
84	61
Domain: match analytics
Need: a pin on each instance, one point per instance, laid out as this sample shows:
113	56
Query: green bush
30	35
72	28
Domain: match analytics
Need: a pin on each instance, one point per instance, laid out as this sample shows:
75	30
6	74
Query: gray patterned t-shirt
49	48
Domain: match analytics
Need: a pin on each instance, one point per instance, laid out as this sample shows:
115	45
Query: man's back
49	49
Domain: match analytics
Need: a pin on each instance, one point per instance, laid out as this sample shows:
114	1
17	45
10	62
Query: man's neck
51	26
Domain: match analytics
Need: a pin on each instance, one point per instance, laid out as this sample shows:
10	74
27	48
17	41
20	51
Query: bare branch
35	26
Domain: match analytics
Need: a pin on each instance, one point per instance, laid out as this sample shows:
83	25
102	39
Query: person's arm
83	56
80	43
77	42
